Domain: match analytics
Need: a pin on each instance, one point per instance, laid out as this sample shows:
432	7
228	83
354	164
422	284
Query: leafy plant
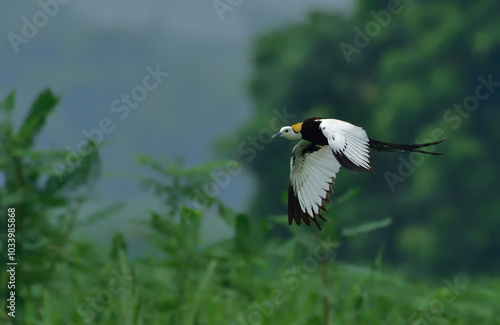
247	277
46	206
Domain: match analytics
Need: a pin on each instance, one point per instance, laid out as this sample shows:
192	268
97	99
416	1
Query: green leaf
227	214
102	214
44	104
366	227
243	234
188	212
7	106
351	193
66	178
190	218
119	244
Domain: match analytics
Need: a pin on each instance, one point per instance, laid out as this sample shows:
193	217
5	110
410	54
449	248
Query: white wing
349	144
313	170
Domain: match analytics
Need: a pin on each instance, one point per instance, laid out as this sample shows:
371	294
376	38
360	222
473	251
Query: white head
290	132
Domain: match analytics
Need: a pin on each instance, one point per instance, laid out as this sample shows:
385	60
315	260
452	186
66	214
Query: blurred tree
44	198
407	72
245	279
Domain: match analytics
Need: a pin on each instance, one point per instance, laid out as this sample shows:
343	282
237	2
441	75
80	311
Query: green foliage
45	214
364	228
36	117
443	220
251	278
402	85
176	233
245	278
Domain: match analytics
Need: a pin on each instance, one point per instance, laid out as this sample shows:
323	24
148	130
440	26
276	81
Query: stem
324	266
60	250
328	314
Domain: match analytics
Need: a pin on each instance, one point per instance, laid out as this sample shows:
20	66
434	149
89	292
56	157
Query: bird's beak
276	135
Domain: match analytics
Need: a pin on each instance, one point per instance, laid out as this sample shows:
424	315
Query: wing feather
313	171
349	144
317	187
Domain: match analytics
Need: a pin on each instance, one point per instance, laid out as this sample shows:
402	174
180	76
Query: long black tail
394	147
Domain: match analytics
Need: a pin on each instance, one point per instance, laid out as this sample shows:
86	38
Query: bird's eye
286	131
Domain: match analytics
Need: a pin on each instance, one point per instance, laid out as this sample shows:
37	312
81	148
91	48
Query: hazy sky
92	53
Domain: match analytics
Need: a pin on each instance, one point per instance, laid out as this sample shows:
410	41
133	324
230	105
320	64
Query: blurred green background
175	212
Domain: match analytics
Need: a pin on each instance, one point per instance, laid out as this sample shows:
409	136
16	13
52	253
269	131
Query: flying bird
328	144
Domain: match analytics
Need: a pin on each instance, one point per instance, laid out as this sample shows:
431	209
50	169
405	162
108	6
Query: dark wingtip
317	223
295	212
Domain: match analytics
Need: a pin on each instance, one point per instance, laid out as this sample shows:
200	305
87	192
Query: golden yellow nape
297	127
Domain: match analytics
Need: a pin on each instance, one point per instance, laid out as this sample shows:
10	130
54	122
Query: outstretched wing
313	170
349	144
